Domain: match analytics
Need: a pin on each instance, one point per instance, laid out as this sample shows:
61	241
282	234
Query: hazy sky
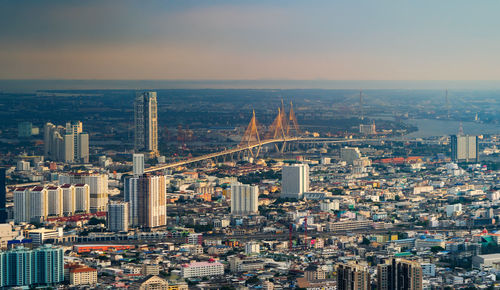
332	40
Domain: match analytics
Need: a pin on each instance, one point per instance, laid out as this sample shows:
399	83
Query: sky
250	40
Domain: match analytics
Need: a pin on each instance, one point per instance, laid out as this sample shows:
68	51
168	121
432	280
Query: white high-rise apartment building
82	198
55	201
67	144
138	164
98	184
146	123
244	199
38	208
294	181
22	205
35	204
69	200
118	216
146	195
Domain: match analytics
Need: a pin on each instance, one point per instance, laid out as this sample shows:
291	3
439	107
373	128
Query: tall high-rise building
98	184
55	201
138	164
82	198
464	148
3	194
24	267
146	195
399	274
244	199
66	144
294	181
118	216
38	208
69	199
353	277
146	123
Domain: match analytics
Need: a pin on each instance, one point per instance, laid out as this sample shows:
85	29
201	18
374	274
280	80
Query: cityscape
233	160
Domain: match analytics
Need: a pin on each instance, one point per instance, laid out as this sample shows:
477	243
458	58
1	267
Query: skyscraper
3	193
24	267
146	123
244	199
464	148
294	181
399	274
55	201
66	144
69	200
138	164
118	216
353	277
146	195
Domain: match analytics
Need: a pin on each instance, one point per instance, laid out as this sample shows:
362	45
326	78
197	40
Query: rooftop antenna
460	129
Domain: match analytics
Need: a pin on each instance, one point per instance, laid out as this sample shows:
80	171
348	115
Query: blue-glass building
24	267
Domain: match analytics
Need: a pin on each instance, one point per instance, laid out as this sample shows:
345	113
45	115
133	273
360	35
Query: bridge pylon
292	128
251	137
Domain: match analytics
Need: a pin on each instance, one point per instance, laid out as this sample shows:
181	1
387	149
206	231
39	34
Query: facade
66	144
153	283
367	129
464	148
82	198
353	277
24	267
138	164
146	123
38	204
245	199
399	274
146	196
98	184
202	269
55	201
349	155
82	276
118	216
69	199
294	181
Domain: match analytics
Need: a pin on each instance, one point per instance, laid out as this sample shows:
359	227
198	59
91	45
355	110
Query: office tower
66	144
138	164
3	193
118	216
146	123
147	200
399	274
245	199
294	181
464	148
55	201
69	199
82	198
349	155
98	184
24	129
352	277
23	267
38	204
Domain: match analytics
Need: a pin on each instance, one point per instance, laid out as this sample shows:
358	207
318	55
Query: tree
436	249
